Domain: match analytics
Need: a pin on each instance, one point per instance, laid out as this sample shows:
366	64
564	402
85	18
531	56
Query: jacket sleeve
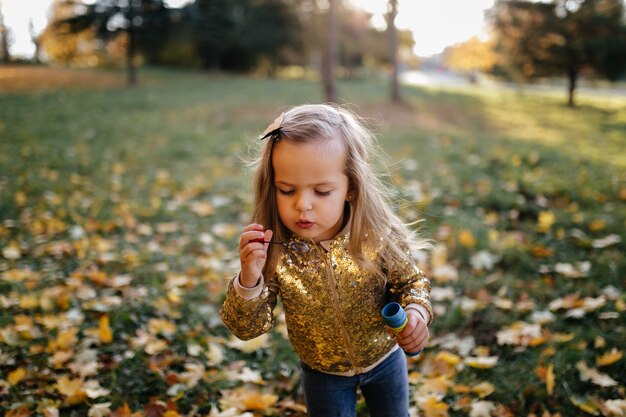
248	318
409	285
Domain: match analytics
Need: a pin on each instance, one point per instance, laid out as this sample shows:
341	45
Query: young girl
325	239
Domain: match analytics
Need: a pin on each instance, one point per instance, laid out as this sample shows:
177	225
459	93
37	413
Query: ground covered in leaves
120	210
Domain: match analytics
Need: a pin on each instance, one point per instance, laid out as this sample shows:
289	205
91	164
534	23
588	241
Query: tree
36	41
566	37
471	56
237	34
393	43
4	38
109	18
329	57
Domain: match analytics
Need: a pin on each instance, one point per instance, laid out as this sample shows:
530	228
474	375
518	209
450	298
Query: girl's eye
285	192
323	193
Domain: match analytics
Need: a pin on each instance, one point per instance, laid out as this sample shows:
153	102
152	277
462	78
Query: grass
125	204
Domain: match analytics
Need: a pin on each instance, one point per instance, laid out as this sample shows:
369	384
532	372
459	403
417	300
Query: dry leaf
545	221
481	362
591	374
251	345
467	239
550	379
16	376
12	251
122	411
482	409
609	358
614	408
434	408
585	404
104	330
259	401
484	389
100	410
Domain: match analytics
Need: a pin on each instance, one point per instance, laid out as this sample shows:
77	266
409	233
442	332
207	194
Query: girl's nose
303	203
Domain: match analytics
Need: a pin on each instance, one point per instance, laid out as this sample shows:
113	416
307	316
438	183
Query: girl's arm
249	305
246	317
411	288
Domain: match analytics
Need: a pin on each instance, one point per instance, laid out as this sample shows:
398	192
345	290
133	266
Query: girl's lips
304	224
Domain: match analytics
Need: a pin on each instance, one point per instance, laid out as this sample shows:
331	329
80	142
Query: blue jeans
385	389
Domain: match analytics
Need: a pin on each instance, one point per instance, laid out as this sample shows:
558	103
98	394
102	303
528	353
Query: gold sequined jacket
332	306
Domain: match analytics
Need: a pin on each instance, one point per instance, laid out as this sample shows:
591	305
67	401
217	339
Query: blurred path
442	78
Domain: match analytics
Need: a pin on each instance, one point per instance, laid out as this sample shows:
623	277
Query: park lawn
120	210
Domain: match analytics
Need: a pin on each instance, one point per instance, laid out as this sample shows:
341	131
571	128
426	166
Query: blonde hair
372	217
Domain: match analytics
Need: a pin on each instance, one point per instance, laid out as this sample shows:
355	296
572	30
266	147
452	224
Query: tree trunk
329	58
572	76
4	34
130	52
35	39
393	40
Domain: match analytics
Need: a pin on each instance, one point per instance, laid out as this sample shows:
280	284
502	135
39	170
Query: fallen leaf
122	411
484	389
251	345
482	409
104	330
585	404
259	401
12	251
467	239
609	358
434	408
591	374
100	410
16	376
545	221
550	379
481	362
615	408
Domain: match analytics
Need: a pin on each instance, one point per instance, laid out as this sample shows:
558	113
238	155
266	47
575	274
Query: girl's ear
350	195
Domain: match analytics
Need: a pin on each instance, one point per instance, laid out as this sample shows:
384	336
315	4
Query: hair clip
274	129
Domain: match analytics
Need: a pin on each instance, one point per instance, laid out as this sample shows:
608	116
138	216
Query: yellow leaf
550	379
480	362
123	411
597	225
251	345
484	389
585	404
161	326
449	358
562	337
467	239
434	408
171	413
20	198
69	387
104	330
16	376
609	358
545	221
12	251
594	376
259	401
28	302
66	338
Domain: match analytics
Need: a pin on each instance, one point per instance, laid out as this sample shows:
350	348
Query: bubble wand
396	318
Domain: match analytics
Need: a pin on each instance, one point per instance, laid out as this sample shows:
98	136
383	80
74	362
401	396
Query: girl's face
311	187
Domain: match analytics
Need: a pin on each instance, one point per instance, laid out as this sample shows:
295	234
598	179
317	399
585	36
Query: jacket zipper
335	296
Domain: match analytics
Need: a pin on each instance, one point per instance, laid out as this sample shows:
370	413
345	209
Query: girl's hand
253	254
414	337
